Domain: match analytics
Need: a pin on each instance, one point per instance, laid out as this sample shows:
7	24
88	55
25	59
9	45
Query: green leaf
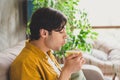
81	22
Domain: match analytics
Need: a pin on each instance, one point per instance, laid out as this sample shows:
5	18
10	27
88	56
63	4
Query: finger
72	56
83	60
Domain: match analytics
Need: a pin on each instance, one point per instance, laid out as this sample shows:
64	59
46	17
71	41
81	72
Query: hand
73	63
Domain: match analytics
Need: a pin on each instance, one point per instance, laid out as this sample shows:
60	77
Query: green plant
77	21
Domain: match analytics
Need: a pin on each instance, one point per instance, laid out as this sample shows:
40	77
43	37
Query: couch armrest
92	72
6	58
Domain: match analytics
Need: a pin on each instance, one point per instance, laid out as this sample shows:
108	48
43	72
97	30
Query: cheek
56	44
56	40
53	42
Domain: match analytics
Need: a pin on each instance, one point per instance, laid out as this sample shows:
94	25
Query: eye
62	30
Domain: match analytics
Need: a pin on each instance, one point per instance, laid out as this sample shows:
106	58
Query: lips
65	40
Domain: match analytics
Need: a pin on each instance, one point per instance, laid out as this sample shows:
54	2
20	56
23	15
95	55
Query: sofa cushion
104	46
105	66
6	58
99	54
114	55
5	61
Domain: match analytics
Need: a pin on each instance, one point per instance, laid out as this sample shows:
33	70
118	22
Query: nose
65	35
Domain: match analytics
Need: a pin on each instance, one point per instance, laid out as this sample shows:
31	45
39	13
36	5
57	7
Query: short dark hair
48	19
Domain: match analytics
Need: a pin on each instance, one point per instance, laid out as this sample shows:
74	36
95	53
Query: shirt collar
37	51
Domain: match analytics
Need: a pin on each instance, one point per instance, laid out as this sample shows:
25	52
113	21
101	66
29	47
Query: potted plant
77	22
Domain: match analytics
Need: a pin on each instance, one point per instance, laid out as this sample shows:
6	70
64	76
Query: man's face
56	40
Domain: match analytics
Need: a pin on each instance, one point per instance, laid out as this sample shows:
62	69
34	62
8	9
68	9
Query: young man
36	61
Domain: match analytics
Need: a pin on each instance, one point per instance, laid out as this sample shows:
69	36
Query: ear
43	32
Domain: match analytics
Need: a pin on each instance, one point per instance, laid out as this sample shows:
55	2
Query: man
36	61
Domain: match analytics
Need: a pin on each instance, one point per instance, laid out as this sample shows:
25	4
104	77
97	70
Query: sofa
8	55
105	55
6	58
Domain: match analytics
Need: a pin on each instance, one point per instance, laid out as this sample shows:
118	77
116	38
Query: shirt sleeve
25	71
30	72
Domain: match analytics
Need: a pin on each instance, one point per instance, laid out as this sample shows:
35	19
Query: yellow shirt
32	64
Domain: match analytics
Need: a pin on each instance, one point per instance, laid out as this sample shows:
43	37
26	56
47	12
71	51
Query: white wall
12	29
102	12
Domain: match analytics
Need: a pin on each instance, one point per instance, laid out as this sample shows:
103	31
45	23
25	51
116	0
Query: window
102	13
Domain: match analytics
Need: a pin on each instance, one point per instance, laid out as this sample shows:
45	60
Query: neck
40	44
